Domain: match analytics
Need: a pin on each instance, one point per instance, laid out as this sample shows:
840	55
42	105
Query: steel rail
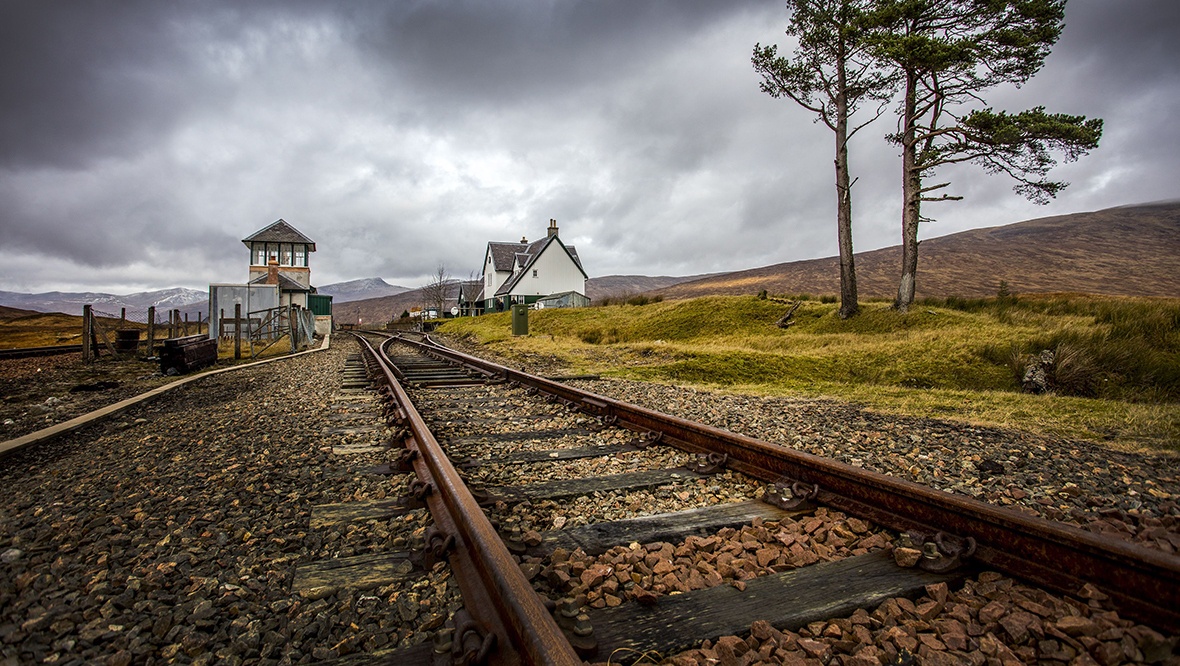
495	591
30	352
1143	583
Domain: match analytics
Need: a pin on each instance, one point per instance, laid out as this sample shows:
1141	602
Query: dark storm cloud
85	79
139	141
525	52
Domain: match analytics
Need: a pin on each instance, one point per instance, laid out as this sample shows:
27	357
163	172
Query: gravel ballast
172	533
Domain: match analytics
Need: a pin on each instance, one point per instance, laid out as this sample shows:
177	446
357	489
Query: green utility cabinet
520	319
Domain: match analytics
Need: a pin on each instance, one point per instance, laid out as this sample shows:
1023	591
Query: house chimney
272	271
552	227
524	240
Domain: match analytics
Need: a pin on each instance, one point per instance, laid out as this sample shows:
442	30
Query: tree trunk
848	300
911	210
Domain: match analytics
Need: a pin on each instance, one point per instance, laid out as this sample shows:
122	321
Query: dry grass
936	361
43	330
260	349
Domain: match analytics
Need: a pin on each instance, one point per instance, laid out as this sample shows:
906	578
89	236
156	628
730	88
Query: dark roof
285	283
279	232
504	254
534	251
471	291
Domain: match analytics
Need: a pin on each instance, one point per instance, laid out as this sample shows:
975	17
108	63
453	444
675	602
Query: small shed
566	299
320	304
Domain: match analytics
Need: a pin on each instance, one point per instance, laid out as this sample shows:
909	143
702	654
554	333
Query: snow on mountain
359	290
189	301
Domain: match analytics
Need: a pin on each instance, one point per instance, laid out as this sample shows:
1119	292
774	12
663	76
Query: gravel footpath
172	533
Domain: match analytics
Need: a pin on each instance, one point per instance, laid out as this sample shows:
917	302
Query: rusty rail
29	352
1142	583
514	626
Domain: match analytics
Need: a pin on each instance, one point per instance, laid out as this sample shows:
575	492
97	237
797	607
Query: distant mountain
1126	251
616	286
390	307
385	308
359	290
190	301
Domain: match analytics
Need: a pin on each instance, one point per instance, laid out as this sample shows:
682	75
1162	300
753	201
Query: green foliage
1019	145
405	314
642	299
833	42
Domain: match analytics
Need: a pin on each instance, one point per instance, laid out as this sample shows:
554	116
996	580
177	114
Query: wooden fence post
291	326
185	324
151	332
122	317
87	350
237	331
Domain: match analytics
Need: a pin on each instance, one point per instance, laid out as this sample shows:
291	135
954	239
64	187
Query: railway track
522	476
30	352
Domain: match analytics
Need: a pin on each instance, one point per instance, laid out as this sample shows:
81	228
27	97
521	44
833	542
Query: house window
286	261
300	255
534	272
259	254
272	253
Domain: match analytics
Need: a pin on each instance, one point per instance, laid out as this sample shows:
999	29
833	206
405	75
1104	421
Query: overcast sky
141	141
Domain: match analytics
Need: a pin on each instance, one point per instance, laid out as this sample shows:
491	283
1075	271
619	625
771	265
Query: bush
1074	372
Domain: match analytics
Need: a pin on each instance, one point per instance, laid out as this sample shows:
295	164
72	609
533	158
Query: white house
525	272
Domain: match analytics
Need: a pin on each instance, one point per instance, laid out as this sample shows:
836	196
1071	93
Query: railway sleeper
564	488
788	600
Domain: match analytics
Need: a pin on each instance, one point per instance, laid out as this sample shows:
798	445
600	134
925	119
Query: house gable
551	268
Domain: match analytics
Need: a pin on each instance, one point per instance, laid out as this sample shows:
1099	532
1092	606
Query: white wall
556	272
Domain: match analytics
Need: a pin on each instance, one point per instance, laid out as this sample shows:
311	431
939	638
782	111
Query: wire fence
123	334
134	332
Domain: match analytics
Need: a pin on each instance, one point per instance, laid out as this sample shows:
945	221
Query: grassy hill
1117	374
7	313
1126	251
39	329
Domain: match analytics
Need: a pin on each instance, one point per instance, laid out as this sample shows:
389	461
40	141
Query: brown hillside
380	310
1125	251
621	286
7	313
